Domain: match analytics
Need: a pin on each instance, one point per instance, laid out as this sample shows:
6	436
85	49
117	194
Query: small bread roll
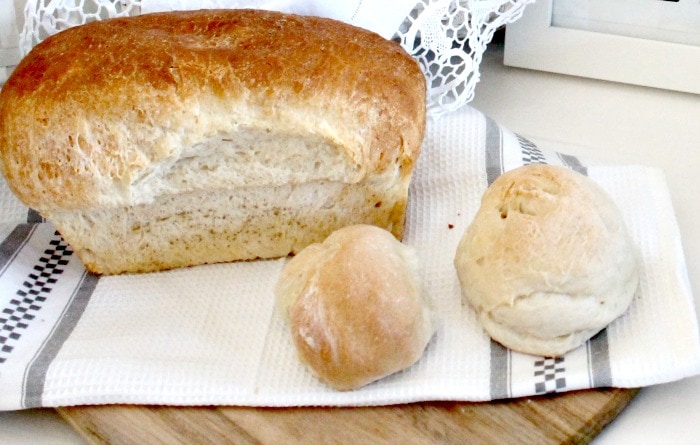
547	261
356	306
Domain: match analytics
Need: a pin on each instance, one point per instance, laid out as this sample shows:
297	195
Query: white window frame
533	42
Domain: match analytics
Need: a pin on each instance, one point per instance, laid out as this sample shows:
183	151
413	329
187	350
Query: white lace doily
447	37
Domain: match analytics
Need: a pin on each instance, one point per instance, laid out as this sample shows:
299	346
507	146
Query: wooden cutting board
570	418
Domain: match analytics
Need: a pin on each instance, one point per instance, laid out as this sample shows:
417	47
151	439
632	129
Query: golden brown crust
90	108
356	307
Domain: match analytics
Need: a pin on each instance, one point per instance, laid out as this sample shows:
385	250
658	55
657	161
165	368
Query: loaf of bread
174	139
356	306
547	261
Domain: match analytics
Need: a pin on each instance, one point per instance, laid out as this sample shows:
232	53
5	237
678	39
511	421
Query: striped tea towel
208	335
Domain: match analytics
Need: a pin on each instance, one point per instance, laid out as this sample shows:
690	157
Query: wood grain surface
569	418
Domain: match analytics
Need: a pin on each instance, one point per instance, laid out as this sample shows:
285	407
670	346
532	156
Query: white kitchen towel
209	335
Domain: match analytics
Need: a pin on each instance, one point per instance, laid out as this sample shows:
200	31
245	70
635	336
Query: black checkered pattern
531	154
28	300
550	375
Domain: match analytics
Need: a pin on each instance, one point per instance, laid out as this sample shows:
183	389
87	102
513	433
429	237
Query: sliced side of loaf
207	227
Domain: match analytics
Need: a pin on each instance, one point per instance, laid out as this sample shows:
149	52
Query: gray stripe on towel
14	242
599	360
500	356
500	371
35	374
34	217
573	163
493	150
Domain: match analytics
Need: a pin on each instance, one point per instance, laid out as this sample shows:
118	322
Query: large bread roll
547	261
175	139
356	306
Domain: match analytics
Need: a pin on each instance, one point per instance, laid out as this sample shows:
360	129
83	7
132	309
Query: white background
649	19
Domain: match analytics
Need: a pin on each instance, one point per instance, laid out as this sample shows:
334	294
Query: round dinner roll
356	306
547	261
